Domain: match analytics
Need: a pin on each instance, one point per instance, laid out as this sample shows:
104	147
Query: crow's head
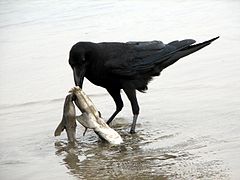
79	61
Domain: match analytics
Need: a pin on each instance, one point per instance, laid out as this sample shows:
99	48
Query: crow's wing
142	57
147	45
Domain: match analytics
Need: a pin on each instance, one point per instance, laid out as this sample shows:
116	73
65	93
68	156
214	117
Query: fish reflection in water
91	158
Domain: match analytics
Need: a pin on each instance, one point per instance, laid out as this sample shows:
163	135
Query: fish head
79	98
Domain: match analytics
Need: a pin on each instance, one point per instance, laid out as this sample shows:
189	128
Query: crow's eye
83	59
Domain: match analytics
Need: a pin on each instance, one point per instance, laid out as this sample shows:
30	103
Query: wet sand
189	123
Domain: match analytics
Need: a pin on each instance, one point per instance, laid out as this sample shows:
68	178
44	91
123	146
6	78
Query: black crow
128	66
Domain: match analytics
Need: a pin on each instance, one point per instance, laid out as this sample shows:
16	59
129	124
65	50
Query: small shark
92	119
68	120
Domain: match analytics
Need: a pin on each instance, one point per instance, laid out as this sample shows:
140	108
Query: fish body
90	117
68	120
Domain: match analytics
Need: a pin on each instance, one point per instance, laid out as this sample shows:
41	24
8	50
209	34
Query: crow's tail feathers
186	51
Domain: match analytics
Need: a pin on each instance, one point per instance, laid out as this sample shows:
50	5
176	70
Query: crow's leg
131	94
115	93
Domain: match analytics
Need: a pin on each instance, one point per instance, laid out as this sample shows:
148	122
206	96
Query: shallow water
189	125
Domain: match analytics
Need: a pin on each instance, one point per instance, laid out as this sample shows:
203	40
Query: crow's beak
78	74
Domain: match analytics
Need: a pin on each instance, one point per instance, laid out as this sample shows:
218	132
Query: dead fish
91	118
68	120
